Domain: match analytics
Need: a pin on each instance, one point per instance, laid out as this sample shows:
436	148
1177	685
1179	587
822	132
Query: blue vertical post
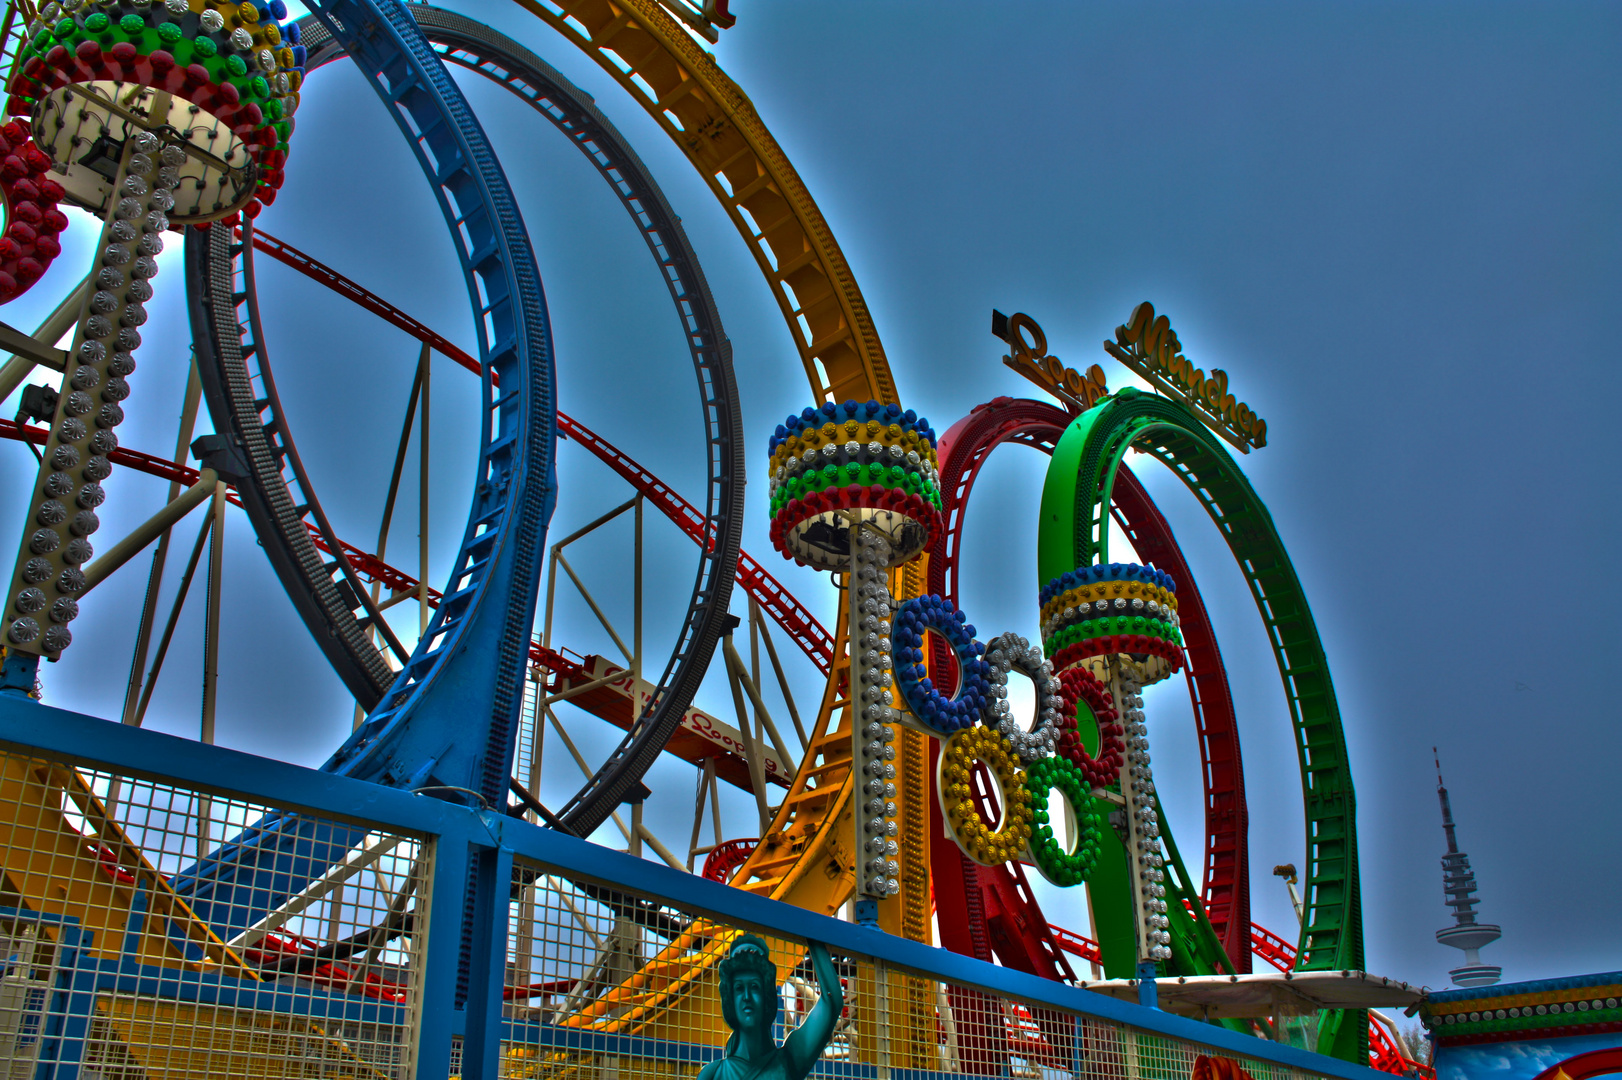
439	1016
1148	995
68	1006
17	674
489	884
867	914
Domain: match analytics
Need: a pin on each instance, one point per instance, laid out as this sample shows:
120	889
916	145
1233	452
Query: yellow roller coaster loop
806	857
715	125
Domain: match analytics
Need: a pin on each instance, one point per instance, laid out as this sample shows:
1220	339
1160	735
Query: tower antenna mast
1459	886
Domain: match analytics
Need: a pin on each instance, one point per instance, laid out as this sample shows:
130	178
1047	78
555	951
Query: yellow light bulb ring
978	838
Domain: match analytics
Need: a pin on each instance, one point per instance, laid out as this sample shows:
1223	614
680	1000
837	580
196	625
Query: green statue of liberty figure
749	1004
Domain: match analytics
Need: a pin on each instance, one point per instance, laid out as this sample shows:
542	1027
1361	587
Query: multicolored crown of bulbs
1115	608
234	60
873	461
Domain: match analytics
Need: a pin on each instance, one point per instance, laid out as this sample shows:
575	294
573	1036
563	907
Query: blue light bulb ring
940	713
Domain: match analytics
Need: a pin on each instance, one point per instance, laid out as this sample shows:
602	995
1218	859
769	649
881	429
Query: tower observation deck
1459	886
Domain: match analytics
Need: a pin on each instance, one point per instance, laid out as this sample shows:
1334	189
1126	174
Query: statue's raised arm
749	1003
806	1042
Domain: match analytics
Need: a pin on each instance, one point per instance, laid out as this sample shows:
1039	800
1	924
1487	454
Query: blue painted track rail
468	669
466	675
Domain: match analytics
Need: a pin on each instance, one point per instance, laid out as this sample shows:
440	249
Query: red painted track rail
320	272
606	703
369	566
1272	948
775	600
795	619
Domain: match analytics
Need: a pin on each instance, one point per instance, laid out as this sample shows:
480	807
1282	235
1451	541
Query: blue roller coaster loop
467	671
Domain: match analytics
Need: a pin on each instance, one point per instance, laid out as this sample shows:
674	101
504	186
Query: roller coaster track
802	859
456	39
1002	905
368	566
843	358
709	737
805	858
715	125
774	599
1076	497
713	122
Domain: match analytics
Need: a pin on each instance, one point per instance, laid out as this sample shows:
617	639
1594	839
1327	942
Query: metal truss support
160	557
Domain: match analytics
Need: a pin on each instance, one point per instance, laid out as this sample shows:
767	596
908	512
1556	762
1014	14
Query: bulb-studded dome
1118	608
220	80
869	462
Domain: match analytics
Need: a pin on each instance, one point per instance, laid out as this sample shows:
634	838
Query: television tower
1459	885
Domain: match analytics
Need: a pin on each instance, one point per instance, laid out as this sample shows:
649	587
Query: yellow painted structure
805	858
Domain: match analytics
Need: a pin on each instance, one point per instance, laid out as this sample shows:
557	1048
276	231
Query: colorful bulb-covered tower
853	490
1118	623
1459	886
149	114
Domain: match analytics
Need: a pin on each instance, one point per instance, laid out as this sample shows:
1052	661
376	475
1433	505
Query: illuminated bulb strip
1145	859
861	444
878	868
61	515
831	422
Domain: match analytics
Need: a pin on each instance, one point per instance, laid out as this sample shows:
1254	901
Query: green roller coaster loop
1074	533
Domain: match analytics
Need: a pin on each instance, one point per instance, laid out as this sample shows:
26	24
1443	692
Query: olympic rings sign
976	724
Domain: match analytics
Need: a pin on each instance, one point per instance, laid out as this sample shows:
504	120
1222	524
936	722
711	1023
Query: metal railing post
490	881
439	1018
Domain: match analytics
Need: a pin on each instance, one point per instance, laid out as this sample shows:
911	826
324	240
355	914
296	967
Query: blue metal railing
455	840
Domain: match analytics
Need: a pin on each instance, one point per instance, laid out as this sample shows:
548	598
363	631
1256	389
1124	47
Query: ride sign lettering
1148	345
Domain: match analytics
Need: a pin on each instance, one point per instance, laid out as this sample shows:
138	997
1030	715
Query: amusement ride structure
917	798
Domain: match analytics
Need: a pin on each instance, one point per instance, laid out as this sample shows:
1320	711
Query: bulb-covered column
62	513
150	115
1119	623
853	490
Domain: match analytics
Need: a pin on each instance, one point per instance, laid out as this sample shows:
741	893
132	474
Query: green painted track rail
1074	533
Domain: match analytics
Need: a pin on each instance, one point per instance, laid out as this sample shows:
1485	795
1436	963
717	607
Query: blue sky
1395	226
